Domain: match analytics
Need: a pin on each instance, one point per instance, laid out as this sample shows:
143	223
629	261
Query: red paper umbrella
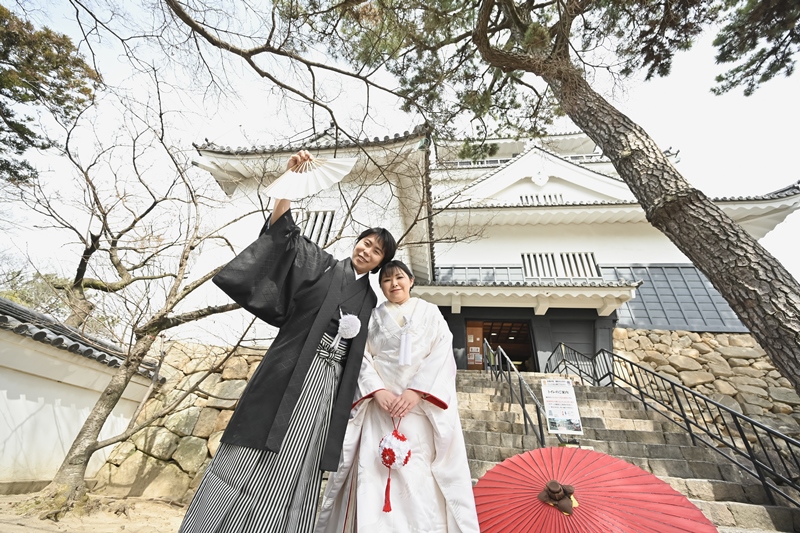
611	495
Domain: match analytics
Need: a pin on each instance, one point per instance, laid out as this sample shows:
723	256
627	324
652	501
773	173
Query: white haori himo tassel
349	326
405	344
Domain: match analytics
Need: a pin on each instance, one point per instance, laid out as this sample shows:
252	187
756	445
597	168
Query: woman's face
396	286
367	254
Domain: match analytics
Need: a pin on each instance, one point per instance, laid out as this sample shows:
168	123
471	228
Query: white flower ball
395	450
349	326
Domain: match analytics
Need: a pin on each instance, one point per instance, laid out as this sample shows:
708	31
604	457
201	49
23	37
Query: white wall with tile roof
45	396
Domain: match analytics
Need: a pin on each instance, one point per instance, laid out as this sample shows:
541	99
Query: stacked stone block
166	459
731	369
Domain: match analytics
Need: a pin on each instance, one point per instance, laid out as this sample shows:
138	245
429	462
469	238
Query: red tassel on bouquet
387	502
395	452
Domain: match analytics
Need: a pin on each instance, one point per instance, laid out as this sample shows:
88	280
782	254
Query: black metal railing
763	452
501	368
572	362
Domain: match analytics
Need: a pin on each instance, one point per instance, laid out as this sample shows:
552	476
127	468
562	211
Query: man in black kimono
290	421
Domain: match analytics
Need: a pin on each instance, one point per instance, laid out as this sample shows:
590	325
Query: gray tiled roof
317	142
495	205
42	328
786	192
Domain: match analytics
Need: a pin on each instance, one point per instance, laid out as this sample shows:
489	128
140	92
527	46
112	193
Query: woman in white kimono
408	373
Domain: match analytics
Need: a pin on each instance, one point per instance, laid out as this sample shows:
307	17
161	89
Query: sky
729	145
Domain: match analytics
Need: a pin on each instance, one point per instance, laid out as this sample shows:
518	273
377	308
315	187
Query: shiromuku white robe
433	492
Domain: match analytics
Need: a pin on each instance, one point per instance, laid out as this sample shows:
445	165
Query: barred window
566	266
317	225
541	199
485	273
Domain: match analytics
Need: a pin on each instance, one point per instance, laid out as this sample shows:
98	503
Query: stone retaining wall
164	460
731	369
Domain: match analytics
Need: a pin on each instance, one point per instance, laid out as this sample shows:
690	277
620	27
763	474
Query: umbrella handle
559	496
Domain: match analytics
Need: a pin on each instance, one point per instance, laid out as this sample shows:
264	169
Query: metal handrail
500	367
766	454
571	362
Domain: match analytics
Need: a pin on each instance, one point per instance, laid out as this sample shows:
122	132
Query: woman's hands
385	399
397	406
405	403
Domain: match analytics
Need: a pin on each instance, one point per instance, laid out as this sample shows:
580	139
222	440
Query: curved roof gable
539	172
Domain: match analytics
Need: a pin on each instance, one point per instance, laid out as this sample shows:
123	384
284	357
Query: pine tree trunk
68	485
762	293
758	288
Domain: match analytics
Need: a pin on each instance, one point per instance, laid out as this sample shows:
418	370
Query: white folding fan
310	178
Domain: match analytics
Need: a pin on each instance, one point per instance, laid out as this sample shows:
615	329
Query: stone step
610	412
492	454
627	449
682	468
643	437
613	409
719	490
587	392
492	395
505	413
492	424
504	440
587	414
656	451
478	468
630	424
673	468
628	404
750	517
581	392
481	390
739	529
514	416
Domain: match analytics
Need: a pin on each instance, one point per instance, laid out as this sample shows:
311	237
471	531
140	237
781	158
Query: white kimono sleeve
436	374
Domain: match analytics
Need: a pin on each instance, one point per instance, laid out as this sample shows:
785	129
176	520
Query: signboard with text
561	407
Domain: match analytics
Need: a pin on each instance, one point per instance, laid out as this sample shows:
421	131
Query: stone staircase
616	424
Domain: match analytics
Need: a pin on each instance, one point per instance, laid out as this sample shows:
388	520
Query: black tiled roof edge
786	192
314	143
574	283
45	329
563	204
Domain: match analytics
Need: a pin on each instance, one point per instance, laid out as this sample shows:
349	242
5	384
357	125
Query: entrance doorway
514	336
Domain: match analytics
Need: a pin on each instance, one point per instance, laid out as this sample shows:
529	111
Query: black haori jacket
289	282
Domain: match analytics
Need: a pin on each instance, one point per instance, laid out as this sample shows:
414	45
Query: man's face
367	254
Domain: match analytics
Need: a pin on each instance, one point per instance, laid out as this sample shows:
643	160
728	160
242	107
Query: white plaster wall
611	244
45	396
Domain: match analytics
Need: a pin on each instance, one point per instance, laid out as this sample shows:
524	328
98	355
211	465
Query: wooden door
474	345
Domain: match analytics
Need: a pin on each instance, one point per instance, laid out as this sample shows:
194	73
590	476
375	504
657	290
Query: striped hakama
247	490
